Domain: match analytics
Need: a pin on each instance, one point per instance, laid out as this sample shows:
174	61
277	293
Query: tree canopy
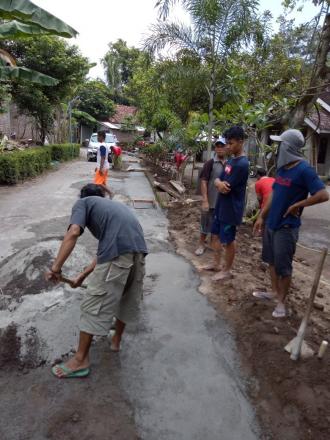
95	99
50	56
217	30
119	63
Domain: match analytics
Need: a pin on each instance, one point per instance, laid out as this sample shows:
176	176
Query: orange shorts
101	179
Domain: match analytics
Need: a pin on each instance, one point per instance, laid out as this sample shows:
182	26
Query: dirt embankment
292	398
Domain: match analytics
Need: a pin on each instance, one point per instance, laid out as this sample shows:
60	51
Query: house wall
14	122
323	169
311	147
22	125
125	136
85	133
5	123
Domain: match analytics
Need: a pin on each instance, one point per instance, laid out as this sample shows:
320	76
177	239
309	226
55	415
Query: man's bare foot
72	364
211	267
115	343
222	276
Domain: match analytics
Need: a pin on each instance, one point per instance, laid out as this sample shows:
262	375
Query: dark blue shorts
226	233
279	248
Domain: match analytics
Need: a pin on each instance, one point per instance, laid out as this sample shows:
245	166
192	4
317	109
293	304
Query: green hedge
64	152
20	165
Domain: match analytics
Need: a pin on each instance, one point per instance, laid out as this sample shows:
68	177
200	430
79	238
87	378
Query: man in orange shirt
263	187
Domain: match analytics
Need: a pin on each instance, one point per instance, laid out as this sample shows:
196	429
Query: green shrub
64	152
156	152
19	165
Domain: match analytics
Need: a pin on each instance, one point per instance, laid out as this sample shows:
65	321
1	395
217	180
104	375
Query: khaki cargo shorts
114	290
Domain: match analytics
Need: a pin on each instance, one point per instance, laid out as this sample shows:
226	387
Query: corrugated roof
111	125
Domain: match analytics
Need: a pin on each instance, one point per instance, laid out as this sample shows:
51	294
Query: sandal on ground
68	374
263	295
222	276
210	267
279	312
200	251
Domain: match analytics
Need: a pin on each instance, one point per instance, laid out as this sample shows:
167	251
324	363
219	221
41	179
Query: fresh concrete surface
178	375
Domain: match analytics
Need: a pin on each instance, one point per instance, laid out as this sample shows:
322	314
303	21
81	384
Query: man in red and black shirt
212	169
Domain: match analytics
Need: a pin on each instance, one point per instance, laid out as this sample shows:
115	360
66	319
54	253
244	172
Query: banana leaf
83	116
14	29
9	73
27	12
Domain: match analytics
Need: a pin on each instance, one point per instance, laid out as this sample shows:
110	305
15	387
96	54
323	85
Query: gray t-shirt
212	169
112	223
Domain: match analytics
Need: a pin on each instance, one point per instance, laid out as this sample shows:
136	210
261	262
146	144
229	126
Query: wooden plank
164	198
130	168
167	189
178	186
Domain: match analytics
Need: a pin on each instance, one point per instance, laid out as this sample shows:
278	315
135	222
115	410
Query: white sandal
279	312
264	295
200	251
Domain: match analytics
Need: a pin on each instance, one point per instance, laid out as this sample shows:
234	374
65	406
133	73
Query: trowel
297	346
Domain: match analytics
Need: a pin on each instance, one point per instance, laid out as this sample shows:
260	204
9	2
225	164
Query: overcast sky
102	21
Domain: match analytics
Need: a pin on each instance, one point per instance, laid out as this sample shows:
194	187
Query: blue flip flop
68	374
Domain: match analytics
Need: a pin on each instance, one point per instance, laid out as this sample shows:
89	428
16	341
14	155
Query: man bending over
115	286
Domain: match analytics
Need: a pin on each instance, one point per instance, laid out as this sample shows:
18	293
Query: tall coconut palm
217	28
20	19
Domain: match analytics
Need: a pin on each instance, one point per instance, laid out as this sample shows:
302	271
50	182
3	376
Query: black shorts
278	249
207	221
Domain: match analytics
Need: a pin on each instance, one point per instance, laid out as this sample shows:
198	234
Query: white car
110	141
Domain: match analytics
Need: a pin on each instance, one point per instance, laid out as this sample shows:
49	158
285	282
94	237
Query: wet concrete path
177	376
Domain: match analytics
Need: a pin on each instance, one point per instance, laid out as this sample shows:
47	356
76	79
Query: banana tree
21	19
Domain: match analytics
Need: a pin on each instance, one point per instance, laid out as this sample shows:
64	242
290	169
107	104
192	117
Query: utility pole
70	107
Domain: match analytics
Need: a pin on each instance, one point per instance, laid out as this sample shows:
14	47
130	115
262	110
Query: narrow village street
178	375
208	125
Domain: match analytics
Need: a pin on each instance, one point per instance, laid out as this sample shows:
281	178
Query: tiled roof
322	123
122	111
325	96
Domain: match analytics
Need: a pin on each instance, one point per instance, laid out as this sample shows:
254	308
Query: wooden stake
296	348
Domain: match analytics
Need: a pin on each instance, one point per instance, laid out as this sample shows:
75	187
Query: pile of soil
291	398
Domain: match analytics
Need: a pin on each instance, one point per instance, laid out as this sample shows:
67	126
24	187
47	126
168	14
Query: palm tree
217	28
20	19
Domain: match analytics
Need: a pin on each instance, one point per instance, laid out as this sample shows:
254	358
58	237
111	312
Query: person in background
116	157
212	169
263	186
102	166
279	220
228	214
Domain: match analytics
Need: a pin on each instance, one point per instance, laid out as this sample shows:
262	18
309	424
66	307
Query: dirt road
178	375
